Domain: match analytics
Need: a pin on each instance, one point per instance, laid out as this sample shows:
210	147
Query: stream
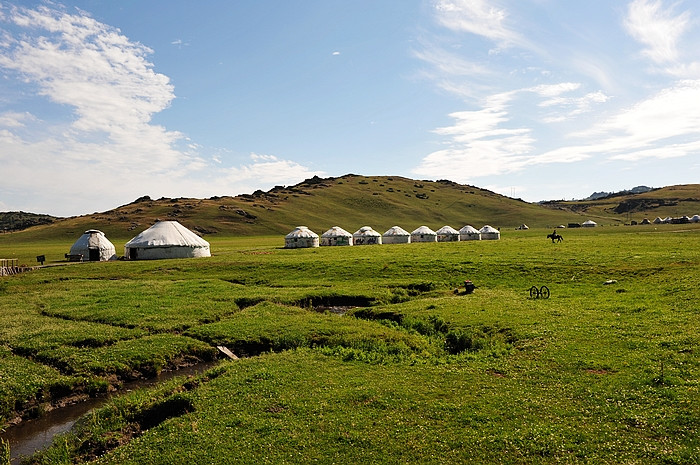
37	434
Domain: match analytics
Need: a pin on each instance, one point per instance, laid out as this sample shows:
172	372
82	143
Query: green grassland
368	354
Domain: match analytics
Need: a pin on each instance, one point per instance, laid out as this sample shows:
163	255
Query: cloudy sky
104	102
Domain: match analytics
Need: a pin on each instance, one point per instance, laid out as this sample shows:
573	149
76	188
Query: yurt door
94	255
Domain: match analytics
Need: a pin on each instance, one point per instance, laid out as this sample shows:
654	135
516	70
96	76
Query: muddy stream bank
37	434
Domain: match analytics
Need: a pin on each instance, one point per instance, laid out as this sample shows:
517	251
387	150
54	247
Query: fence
9	266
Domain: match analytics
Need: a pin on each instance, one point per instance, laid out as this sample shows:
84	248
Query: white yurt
589	224
646	221
366	236
523	227
396	235
447	234
301	237
489	233
94	246
658	220
423	234
695	219
469	233
336	236
166	239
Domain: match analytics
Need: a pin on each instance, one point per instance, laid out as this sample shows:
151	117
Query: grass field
412	372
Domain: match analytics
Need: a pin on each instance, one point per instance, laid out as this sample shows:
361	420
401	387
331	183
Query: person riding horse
555	236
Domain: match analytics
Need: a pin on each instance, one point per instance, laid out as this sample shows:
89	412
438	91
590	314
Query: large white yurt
489	233
589	224
166	239
366	236
336	236
423	234
301	237
695	219
396	235
447	234
469	233
94	246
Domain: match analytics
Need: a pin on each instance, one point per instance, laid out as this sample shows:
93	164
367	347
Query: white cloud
480	17
479	145
14	119
269	170
657	28
665	125
110	152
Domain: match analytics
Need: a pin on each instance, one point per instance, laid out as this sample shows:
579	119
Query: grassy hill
673	201
353	201
350	202
16	221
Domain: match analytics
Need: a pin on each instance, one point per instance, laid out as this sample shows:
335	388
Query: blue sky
103	102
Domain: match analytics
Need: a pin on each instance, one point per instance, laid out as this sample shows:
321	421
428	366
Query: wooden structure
9	266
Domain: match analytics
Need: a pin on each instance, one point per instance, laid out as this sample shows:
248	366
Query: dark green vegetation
414	373
16	221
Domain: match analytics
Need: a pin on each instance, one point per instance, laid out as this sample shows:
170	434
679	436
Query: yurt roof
301	231
447	230
423	230
396	231
336	231
93	238
589	222
366	231
695	219
488	229
468	229
167	234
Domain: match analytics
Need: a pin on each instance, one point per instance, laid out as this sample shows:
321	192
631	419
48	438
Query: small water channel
37	434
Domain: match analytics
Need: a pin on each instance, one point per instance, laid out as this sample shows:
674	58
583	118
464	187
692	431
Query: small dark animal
555	237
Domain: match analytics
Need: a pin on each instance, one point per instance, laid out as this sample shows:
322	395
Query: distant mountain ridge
634	190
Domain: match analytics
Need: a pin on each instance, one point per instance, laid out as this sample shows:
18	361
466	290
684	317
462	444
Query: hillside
16	221
349	201
673	201
352	201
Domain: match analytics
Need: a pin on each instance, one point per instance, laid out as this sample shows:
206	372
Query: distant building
93	246
366	236
489	233
301	237
336	236
396	235
447	234
423	234
469	233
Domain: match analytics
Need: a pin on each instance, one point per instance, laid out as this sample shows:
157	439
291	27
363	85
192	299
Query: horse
555	237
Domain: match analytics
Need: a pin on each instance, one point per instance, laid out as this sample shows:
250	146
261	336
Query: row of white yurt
680	220
302	237
165	239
